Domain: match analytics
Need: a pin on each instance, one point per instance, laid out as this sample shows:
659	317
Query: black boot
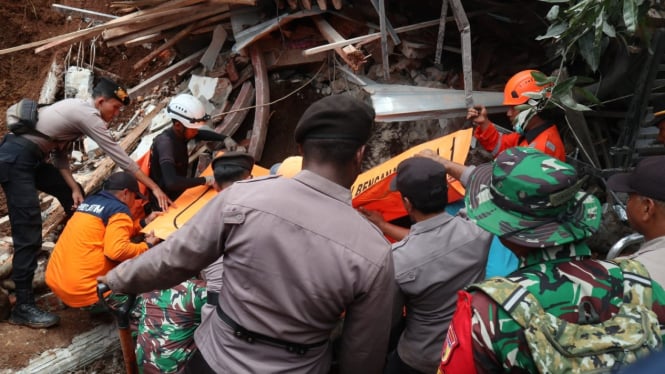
26	313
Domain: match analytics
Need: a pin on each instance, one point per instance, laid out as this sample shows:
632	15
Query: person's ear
407	204
360	153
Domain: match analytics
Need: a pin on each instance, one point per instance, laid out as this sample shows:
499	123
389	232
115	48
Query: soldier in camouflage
166	325
535	204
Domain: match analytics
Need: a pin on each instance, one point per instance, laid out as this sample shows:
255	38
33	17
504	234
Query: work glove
230	144
210	180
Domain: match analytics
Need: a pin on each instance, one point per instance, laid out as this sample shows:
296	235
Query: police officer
296	256
24	171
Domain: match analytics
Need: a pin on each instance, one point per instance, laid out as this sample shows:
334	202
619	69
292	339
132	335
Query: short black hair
333	151
224	173
429	206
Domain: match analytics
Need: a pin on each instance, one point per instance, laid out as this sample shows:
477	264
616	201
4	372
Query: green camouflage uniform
168	319
562	279
534	201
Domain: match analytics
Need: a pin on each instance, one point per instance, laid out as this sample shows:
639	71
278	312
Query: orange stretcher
370	190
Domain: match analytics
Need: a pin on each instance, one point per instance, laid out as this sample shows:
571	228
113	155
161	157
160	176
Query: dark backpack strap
531	135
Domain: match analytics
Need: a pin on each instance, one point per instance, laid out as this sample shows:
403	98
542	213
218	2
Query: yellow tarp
370	190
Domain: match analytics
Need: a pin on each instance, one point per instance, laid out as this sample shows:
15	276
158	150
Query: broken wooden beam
377	35
239	110
180	66
170	43
262	112
140	16
167	19
159	28
352	56
209	58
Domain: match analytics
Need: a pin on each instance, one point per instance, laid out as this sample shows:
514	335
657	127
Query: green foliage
584	27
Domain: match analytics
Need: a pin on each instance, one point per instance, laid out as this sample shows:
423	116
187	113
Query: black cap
241	159
421	180
647	179
109	88
336	117
121	180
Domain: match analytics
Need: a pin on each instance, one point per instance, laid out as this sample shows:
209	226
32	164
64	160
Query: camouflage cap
531	199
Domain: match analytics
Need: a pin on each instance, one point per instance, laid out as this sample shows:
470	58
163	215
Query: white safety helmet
188	110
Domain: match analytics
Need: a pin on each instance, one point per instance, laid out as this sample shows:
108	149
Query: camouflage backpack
558	346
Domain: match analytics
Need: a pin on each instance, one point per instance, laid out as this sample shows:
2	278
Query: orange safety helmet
517	85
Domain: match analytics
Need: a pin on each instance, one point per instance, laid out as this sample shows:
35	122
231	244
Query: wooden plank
276	59
384	39
82	12
171	42
156	37
391	29
368	37
262	111
209	58
161	27
168	19
79	35
85	349
172	70
352	56
239	110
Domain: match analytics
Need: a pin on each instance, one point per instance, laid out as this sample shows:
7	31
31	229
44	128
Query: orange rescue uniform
544	138
94	241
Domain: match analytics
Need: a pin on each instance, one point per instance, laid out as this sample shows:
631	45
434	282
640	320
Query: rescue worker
228	168
295	258
96	238
440	255
537	133
533	202
24	170
646	210
169	161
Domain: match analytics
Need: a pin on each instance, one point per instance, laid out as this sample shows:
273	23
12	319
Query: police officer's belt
213	298
251	337
25	143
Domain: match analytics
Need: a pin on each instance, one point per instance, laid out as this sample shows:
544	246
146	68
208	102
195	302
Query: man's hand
151	239
151	217
162	199
77	197
478	115
210	180
103	279
373	216
230	144
428	153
